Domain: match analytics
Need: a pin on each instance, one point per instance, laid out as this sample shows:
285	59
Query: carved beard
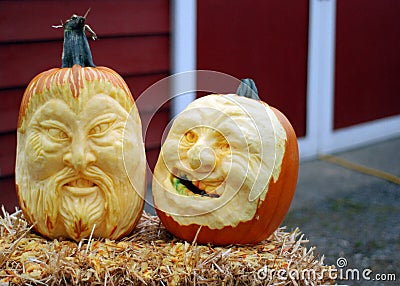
81	212
83	202
65	213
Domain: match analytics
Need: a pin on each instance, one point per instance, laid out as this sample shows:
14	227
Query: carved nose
201	158
78	157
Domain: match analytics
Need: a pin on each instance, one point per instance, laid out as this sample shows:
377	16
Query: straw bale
152	256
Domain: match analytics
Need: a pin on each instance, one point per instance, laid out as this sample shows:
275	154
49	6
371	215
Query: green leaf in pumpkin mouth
187	188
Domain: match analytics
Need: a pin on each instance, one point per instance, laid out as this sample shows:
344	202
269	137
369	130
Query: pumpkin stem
76	49
247	88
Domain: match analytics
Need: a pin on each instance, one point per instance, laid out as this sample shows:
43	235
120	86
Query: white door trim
320	76
183	52
320	137
361	134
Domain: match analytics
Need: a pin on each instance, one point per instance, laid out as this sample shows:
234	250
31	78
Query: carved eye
54	130
191	137
102	124
221	142
224	147
57	134
100	129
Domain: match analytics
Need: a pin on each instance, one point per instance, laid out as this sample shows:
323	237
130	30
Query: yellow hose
360	168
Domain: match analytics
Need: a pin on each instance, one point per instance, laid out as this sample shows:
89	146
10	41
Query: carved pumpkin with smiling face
80	154
227	170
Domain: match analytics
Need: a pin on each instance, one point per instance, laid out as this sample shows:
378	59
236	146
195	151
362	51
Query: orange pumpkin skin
270	213
76	76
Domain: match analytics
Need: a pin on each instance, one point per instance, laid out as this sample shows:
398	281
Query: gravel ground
353	216
363	227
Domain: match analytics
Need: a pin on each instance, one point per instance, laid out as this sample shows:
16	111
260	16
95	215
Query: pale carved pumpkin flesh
80	154
216	165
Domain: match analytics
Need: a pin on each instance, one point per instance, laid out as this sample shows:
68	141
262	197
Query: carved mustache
89	177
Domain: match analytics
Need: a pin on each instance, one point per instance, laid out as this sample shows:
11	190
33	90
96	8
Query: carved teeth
81	183
209	189
200	185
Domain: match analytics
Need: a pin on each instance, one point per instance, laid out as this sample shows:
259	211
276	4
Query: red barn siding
8	197
32	20
127	56
133	40
7	153
264	40
367	71
10	101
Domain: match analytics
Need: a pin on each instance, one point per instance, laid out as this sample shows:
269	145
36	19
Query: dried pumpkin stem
76	47
247	88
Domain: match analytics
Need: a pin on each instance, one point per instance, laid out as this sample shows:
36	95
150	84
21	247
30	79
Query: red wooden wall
133	40
367	85
264	40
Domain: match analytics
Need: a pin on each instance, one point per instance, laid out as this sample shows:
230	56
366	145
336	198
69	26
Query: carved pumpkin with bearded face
227	170
80	153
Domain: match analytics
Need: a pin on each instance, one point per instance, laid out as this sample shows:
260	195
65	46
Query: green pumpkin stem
247	88
76	49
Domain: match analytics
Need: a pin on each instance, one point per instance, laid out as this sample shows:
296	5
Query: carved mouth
81	187
203	188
